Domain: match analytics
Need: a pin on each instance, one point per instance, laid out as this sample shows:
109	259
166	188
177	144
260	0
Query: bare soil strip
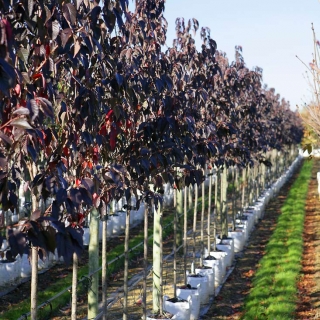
309	283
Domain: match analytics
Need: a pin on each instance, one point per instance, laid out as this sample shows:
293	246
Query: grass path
274	291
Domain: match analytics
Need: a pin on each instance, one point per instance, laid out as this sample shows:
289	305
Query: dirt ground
309	283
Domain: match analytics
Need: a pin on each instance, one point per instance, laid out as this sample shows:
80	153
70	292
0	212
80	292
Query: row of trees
94	109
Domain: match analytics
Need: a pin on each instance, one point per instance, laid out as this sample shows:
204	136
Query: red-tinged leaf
5	138
103	130
17	89
36	76
65	36
109	114
48	49
113	136
69	13
21	111
21	123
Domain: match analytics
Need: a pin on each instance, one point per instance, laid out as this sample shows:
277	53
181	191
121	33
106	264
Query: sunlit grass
274	292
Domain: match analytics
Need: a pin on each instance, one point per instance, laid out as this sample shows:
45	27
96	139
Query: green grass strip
274	292
60	284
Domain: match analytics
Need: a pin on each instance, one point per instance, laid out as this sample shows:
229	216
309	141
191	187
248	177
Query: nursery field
250	271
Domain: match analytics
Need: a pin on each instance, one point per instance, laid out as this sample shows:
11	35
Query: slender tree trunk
209	213
74	287
179	217
190	198
194	229
34	256
244	186
175	254
34	282
263	176
104	264
215	211
93	290
202	223
156	294
145	260
161	261
256	181
235	197
250	186
224	186
126	266
185	230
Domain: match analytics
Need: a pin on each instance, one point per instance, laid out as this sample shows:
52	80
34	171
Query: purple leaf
69	13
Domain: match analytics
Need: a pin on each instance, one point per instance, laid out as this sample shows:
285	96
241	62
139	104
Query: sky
271	32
